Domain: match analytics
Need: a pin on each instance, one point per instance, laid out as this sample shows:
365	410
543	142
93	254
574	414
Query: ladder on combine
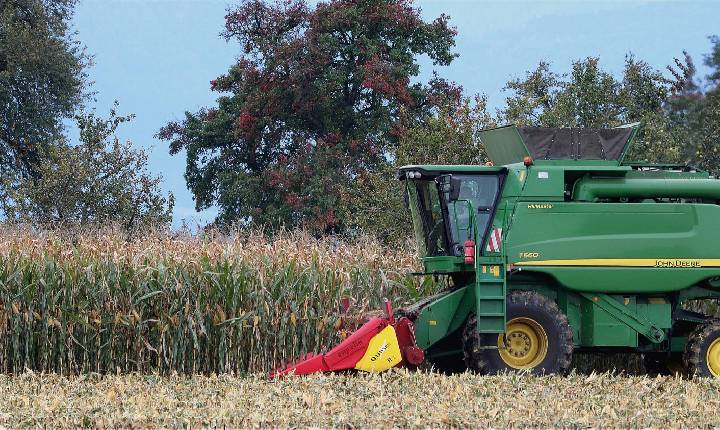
490	294
490	284
490	278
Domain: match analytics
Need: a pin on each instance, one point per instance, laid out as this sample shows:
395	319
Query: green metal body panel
677	344
616	246
624	314
444	265
443	316
504	145
454	168
625	280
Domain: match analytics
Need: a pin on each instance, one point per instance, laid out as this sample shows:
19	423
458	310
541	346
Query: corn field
95	301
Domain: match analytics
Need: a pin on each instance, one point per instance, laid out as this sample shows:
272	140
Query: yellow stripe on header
632	262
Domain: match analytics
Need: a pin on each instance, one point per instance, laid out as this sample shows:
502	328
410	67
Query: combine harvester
559	246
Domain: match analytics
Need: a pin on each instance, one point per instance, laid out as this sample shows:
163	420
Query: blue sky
157	57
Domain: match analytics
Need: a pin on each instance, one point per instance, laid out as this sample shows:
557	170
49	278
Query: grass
394	399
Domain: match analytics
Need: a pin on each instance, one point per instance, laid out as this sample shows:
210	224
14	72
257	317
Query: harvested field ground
398	398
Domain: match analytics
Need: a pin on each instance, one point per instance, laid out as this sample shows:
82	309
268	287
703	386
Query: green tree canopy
676	115
712	60
693	107
101	180
448	135
42	78
314	103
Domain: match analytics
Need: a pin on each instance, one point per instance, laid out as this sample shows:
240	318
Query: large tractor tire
702	351
538	339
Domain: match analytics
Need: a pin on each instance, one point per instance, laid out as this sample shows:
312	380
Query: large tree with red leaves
317	100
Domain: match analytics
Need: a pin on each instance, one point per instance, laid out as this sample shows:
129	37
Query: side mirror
450	187
454	189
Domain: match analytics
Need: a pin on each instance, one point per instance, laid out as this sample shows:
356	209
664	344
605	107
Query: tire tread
474	355
696	348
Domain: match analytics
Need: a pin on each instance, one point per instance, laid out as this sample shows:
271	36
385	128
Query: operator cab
450	204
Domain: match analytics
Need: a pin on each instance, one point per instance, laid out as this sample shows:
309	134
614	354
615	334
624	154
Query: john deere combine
558	246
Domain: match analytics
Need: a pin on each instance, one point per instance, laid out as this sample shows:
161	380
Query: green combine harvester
557	246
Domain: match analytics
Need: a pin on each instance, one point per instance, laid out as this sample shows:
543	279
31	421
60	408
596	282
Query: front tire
537	338
702	351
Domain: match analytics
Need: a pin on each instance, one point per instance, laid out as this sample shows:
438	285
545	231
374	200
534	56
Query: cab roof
432	170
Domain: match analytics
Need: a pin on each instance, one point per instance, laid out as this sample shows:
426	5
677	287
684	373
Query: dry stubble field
394	399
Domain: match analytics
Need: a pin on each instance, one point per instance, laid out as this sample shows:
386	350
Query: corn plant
94	301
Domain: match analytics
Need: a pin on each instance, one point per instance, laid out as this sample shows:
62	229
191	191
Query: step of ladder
490	296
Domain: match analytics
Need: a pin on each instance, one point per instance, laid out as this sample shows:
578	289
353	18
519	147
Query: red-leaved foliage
316	100
246	121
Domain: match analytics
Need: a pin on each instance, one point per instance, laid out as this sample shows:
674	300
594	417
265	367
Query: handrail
472	225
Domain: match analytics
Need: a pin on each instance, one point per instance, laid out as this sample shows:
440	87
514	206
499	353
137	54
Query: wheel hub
524	344
713	358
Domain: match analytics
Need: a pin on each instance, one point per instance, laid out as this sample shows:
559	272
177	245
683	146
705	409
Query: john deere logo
678	263
540	206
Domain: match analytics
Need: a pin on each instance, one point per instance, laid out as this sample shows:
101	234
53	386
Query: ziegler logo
540	206
677	263
349	349
379	351
529	254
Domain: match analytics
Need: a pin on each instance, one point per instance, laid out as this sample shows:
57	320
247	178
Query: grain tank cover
510	144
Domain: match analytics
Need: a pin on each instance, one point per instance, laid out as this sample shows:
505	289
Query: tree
684	107
450	135
313	104
712	60
693	109
101	180
531	96
42	79
679	123
709	135
707	116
